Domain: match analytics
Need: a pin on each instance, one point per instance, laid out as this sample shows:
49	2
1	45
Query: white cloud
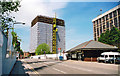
31	8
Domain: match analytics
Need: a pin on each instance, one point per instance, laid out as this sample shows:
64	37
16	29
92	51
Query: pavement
18	69
69	67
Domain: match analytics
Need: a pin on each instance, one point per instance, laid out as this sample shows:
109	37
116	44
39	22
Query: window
106	56
94	29
95	39
110	15
115	22
119	11
103	19
103	26
114	13
94	23
117	55
97	21
98	31
111	23
102	56
106	17
107	24
100	20
111	55
119	21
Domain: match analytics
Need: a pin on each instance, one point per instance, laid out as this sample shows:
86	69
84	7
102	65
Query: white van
108	57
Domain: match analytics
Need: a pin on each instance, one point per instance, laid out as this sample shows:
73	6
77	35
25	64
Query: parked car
110	57
116	60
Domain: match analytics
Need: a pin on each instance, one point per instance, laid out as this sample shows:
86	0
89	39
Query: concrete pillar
118	20
96	30
113	19
102	25
109	20
105	24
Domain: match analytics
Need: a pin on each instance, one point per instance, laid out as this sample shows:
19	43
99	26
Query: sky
77	15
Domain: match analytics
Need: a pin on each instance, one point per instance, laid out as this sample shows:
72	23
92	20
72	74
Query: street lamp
18	23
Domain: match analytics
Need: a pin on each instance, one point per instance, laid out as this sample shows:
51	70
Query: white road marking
76	67
59	70
27	66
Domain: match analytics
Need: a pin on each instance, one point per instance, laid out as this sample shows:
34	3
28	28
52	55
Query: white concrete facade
42	33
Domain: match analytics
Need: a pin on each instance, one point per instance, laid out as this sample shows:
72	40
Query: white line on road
30	67
59	70
76	67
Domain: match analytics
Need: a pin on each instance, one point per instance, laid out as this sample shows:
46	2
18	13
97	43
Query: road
36	66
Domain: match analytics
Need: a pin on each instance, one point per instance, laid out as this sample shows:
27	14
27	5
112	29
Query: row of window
109	23
103	28
108	16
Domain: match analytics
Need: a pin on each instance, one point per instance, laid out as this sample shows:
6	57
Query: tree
21	52
5	9
42	48
111	37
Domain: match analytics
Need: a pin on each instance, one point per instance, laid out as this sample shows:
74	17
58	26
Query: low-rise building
26	54
90	50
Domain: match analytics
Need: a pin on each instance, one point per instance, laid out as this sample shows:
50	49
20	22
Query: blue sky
78	20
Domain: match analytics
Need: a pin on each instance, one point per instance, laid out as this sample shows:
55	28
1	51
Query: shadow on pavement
35	62
18	70
45	66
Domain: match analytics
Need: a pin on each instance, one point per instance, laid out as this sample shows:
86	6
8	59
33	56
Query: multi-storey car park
106	21
42	31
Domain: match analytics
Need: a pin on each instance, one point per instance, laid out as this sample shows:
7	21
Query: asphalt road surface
37	66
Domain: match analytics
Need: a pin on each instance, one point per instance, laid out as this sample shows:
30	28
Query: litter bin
61	57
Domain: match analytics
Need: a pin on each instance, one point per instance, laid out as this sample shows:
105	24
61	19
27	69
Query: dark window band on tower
106	21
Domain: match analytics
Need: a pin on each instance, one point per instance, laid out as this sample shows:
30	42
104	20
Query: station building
89	51
42	32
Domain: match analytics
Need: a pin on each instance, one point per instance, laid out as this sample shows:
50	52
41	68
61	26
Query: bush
42	49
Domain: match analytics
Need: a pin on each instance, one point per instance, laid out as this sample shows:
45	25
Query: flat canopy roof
48	20
93	45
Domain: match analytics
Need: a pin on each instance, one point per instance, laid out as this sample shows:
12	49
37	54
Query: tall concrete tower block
41	32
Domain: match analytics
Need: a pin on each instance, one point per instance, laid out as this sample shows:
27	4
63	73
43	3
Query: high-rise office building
106	21
42	32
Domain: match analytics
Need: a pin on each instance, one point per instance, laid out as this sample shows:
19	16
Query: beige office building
106	21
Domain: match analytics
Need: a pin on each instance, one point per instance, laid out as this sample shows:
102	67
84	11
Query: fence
7	56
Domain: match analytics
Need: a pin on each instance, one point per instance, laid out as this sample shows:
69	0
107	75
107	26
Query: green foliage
16	41
111	37
14	34
42	48
29	55
5	9
21	52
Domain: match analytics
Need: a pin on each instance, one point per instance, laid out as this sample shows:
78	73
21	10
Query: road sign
59	49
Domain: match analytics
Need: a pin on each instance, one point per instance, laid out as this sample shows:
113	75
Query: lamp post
18	23
13	30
